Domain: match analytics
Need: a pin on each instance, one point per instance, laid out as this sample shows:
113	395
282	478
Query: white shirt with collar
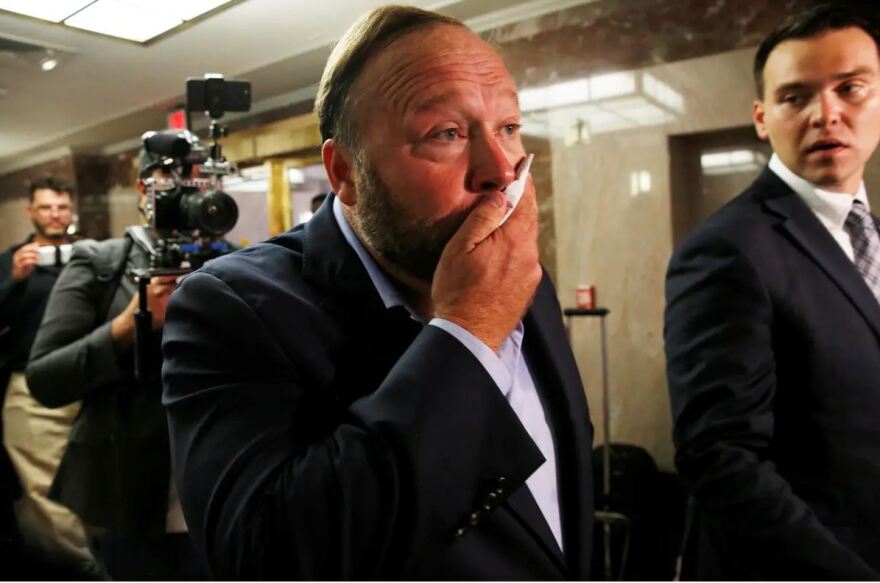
507	368
831	208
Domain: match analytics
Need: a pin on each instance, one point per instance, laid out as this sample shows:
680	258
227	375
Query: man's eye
850	88
449	135
512	129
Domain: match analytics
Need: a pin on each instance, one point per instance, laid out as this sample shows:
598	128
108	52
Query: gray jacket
115	470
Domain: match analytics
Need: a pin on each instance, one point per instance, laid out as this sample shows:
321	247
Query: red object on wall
177	120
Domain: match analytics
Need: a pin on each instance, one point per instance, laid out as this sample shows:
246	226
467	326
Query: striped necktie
862	228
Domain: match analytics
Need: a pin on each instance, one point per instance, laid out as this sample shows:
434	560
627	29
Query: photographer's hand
158	292
24	260
487	274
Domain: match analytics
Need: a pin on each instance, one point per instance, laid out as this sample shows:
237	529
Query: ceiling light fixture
123	20
48	63
136	20
51	10
184	10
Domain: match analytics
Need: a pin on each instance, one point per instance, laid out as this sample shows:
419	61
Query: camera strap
109	266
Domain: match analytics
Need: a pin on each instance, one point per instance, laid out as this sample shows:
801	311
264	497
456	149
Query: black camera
186	209
187	214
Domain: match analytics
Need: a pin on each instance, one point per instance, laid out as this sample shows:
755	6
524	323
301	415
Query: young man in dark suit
387	392
773	327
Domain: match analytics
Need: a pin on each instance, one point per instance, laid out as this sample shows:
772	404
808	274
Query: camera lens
213	213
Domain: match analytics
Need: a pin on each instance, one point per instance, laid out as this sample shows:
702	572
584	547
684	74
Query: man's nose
825	110
490	168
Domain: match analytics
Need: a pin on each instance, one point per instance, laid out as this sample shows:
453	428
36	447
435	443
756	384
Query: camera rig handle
145	369
143	329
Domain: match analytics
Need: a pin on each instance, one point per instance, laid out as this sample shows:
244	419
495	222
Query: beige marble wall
622	242
15	225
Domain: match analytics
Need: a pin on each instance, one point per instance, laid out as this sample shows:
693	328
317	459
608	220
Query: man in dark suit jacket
387	391
773	328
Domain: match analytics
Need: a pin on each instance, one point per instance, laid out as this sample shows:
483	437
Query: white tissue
515	189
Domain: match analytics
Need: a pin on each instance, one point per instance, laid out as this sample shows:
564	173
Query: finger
524	219
161	289
163	279
528	204
481	222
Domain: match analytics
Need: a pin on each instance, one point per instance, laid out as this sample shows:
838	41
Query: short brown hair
49	183
819	19
370	34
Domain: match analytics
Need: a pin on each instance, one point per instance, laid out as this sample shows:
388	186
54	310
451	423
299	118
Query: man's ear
141	187
758	120
339	165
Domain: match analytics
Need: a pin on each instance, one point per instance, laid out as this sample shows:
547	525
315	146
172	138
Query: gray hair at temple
368	36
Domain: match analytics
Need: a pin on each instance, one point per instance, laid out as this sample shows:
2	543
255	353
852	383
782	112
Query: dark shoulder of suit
348	439
773	356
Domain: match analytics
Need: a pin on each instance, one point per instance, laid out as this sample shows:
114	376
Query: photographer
115	472
34	436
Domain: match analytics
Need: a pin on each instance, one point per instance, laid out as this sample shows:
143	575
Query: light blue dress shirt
507	368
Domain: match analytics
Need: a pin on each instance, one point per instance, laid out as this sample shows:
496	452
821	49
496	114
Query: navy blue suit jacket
316	434
773	358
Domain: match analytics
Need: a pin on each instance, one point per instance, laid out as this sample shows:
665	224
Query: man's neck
416	291
850	186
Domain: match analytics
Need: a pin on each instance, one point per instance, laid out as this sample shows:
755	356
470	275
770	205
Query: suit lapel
805	231
522	505
558	380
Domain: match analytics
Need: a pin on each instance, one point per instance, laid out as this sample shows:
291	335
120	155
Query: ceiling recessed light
48	63
52	10
123	20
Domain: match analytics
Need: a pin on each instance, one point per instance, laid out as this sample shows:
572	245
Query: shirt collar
387	291
833	207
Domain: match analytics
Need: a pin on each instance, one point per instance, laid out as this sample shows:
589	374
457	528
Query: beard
50	232
413	245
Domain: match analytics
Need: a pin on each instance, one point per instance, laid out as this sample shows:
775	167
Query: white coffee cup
46	254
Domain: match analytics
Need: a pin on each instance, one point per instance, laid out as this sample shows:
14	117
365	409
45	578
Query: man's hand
24	260
487	275
158	292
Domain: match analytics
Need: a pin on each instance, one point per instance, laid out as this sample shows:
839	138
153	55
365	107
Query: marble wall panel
607	232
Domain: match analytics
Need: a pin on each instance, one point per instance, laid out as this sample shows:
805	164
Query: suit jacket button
491	501
474	518
460	532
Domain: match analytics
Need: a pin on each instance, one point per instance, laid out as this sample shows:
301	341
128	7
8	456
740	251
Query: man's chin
832	179
55	235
